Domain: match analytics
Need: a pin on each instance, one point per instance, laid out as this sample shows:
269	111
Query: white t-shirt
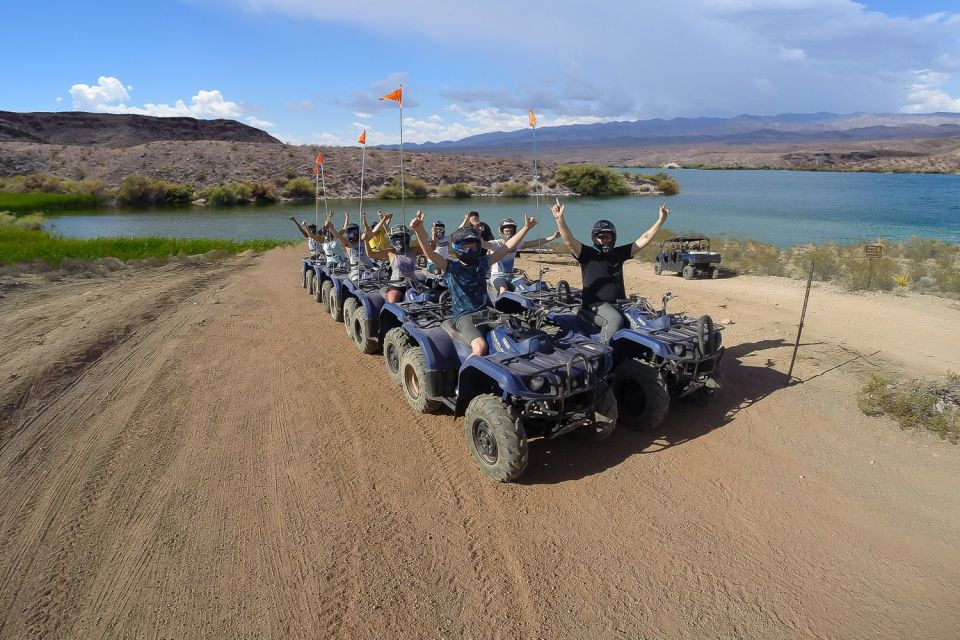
505	266
334	253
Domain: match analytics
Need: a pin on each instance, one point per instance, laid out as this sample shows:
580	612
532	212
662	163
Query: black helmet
603	226
439	223
399	237
352	232
508	222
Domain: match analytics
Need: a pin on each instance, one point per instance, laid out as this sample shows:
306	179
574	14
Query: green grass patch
20	242
916	405
24	203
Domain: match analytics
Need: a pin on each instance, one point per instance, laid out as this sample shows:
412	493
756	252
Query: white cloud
109	94
58	99
927	94
303	105
107	89
792	55
258	123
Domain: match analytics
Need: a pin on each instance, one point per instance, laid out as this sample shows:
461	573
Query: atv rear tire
642	396
496	441
687	272
326	292
359	329
395	343
413	374
310	279
349	306
336	308
303	275
605	416
318	293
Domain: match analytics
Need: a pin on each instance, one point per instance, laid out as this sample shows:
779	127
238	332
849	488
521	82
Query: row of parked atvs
546	373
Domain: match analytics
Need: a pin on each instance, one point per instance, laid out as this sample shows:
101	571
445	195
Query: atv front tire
326	292
642	396
349	306
605	416
395	343
360	330
687	272
496	441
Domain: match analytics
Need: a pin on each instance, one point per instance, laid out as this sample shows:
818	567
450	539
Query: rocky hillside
204	164
120	130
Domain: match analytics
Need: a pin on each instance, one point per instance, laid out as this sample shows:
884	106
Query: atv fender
477	378
630	340
438	350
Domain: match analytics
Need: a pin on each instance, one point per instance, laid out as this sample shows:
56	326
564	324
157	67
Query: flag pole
323	181
363	157
403	207
316	196
536	171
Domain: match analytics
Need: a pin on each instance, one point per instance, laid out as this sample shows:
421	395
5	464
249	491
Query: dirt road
196	451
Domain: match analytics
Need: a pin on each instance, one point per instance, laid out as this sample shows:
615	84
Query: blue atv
657	355
398	319
689	256
363	310
531	384
307	267
321	283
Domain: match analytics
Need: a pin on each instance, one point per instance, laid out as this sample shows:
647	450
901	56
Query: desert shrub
229	193
412	188
591	179
143	191
513	189
750	256
456	190
827	265
299	188
915	405
263	192
864	273
669	187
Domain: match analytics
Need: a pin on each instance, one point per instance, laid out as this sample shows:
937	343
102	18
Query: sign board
873	250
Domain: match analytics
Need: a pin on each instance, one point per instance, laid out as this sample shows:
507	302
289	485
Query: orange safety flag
363	137
320	158
396	96
533	118
316	169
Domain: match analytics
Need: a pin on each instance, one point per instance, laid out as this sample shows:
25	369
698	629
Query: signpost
872	252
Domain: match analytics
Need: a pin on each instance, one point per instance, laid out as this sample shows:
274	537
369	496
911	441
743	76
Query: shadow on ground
563	459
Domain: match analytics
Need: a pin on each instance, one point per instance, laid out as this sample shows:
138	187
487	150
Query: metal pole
323	181
363	157
316	197
869	273
803	314
403	206
536	172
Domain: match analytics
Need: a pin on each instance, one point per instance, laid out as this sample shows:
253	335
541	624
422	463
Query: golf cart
689	256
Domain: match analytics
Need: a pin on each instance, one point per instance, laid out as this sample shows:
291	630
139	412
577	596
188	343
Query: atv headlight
679	350
536	383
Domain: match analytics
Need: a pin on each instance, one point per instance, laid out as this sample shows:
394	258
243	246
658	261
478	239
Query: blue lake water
781	207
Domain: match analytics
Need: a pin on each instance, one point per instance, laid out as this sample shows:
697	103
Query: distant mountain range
120	130
740	130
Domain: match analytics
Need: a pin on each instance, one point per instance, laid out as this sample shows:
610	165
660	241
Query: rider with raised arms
467	274
601	267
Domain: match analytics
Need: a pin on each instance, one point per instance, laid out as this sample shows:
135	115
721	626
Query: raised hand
531	221
664	212
417	222
557	210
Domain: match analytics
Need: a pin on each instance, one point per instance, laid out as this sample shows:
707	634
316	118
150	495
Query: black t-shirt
603	273
485	232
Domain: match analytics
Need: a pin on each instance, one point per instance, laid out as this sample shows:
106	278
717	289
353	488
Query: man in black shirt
601	267
472	218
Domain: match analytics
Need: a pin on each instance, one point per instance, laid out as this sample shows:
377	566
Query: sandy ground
196	451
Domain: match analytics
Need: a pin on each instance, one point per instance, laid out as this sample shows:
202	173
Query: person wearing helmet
403	261
376	237
466	275
349	237
314	237
439	243
501	272
601	267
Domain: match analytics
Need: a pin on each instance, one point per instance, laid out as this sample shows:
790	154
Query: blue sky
309	71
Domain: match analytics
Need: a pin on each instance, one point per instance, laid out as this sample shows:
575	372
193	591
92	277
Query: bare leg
479	347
